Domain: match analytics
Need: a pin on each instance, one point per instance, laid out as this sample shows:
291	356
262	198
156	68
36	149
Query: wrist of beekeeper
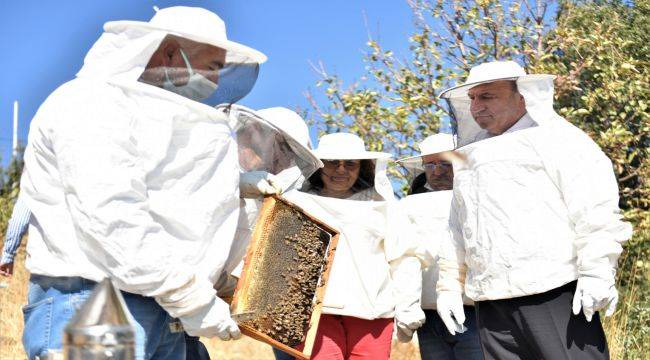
188	298
255	184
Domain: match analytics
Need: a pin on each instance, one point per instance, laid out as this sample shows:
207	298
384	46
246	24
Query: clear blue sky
44	42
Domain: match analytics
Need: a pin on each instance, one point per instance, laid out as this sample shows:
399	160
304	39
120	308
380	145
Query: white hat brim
366	155
236	48
468	86
415	162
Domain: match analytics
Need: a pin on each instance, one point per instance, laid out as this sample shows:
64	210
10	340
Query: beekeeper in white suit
422	218
353	194
275	156
129	176
536	223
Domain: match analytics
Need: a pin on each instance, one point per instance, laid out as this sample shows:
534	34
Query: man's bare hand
7	269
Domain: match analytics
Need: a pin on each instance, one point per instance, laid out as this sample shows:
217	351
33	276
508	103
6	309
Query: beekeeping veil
275	140
439	146
537	90
236	76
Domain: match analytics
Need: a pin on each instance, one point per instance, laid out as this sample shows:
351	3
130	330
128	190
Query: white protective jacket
424	219
131	181
533	209
360	283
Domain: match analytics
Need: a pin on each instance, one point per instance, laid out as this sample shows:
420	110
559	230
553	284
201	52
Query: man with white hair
536	226
129	176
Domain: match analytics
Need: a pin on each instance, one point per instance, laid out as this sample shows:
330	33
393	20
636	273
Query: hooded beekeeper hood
274	140
537	90
438	146
125	48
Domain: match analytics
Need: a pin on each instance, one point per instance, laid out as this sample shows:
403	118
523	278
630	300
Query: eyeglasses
443	166
348	164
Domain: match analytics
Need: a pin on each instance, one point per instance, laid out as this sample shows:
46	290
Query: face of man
496	106
439	172
168	60
339	175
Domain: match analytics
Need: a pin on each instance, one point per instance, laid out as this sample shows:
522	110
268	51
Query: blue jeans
437	343
52	301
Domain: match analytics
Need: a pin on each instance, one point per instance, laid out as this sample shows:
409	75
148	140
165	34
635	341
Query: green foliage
600	53
10	178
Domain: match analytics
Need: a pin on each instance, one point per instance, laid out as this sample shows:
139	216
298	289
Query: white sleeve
402	239
585	178
451	260
102	174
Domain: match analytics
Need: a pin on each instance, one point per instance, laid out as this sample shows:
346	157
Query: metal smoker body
102	328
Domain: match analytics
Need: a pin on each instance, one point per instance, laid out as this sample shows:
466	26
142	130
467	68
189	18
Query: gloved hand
406	273
450	309
212	320
255	184
406	322
593	294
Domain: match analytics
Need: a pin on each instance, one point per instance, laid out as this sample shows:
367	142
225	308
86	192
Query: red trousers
350	338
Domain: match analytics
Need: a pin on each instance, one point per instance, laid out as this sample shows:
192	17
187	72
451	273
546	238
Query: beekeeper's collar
434	144
537	90
346	146
123	51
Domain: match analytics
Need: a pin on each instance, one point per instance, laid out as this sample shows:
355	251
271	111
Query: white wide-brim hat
490	72
434	144
345	146
289	122
195	24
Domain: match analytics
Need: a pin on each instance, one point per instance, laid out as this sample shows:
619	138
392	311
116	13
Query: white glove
450	309
593	294
212	320
406	274
255	184
407	322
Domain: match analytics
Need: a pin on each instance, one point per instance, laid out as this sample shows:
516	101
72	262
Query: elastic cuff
189	300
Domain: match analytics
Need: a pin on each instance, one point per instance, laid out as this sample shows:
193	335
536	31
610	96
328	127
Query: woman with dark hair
363	181
353	194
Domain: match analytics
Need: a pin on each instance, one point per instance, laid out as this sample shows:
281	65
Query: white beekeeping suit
534	208
275	152
360	283
421	219
138	182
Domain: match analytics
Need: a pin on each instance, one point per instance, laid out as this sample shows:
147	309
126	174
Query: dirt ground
13	294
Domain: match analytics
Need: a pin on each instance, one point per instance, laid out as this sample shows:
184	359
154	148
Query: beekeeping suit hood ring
537	90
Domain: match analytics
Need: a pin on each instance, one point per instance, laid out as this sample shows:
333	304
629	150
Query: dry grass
14	296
